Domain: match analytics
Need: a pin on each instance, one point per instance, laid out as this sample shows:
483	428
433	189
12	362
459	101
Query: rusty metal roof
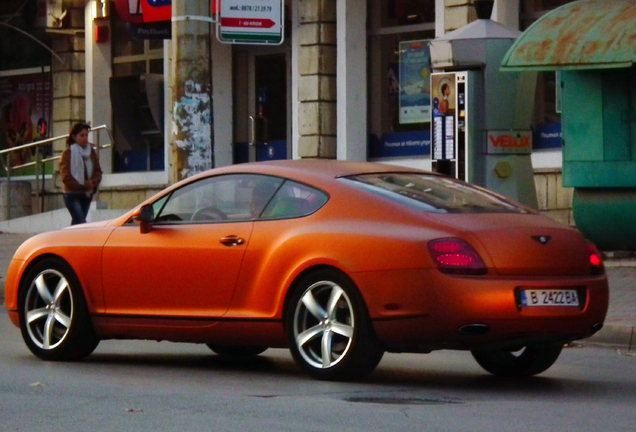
585	34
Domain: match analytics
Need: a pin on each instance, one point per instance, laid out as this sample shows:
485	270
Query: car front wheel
328	328
528	361
53	315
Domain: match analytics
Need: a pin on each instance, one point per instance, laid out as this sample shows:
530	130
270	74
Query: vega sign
516	142
251	22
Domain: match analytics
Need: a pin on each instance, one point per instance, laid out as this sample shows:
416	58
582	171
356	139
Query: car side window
294	200
235	197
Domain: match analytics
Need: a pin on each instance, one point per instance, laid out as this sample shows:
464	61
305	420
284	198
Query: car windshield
433	193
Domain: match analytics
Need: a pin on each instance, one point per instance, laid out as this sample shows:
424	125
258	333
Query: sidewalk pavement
619	330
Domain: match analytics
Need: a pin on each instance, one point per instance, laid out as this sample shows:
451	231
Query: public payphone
449	124
481	117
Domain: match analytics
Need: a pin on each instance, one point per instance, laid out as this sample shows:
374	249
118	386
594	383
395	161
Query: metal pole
8	191
97	142
42	189
37	175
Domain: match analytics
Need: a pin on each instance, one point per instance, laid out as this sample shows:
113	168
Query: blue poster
415	87
401	144
547	136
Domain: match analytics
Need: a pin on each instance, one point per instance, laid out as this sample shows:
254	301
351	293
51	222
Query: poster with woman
25	107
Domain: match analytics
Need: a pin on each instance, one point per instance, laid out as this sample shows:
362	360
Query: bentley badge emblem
542	239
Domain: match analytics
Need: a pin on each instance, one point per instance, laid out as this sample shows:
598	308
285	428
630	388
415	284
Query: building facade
338	86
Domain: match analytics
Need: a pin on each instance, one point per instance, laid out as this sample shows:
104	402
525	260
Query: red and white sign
251	21
140	11
156	10
247	23
517	142
129	11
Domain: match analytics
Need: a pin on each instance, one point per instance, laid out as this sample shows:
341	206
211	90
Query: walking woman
80	172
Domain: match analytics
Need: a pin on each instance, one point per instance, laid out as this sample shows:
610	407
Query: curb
613	336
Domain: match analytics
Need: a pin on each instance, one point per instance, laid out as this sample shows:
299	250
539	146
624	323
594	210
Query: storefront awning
585	34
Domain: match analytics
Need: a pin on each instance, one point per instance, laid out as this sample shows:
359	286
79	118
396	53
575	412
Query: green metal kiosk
593	44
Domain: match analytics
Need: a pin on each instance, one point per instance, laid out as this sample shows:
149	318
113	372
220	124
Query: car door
188	264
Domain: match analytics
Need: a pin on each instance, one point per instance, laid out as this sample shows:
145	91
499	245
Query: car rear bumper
471	312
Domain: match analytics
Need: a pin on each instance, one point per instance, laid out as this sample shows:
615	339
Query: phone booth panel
481	116
453	150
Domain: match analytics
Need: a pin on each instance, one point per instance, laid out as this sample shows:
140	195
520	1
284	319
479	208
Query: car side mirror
145	217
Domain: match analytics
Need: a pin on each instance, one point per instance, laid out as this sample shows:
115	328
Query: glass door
262	104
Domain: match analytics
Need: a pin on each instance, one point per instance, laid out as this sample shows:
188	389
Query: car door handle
232	241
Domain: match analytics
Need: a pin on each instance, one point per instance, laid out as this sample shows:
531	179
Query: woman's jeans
78	206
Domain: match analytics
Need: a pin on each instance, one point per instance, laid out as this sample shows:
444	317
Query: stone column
69	86
458	13
192	119
317	65
352	80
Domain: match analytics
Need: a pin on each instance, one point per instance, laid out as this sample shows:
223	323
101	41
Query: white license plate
540	297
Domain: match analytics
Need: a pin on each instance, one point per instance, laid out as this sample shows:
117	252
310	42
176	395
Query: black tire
531	360
237	352
54	318
339	322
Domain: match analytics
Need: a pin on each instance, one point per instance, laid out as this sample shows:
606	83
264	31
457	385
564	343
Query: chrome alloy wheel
48	309
324	324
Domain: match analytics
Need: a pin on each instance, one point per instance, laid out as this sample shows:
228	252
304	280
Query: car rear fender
274	262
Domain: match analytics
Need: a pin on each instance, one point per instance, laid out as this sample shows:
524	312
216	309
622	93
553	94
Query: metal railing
40	163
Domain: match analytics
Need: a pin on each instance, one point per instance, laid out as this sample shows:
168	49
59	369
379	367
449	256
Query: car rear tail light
455	256
596	262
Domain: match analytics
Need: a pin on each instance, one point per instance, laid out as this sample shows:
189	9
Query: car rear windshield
433	193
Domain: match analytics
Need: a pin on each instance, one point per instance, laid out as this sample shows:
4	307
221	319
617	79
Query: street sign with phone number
251	21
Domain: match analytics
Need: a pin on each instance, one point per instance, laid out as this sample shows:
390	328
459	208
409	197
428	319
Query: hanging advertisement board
156	10
25	111
256	22
415	89
130	11
509	142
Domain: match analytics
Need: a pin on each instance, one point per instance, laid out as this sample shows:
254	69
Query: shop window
405	12
136	90
399	78
547	119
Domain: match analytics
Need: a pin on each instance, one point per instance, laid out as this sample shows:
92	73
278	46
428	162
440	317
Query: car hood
88	225
526	245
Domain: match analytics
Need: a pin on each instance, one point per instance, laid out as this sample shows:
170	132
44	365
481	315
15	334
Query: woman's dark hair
77	128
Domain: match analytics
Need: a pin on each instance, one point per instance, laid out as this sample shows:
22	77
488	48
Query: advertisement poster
444	109
25	107
443	94
415	91
401	144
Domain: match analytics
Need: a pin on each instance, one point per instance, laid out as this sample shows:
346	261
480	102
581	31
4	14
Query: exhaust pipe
473	330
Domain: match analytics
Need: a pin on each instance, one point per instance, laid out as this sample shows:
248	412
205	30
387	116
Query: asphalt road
150	386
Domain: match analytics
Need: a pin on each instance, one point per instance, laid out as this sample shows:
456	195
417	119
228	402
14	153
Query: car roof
312	169
317	172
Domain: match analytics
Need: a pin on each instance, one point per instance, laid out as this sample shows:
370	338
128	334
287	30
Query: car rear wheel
528	361
328	328
236	352
53	315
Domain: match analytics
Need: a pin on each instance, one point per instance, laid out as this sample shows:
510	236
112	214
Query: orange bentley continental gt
338	261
